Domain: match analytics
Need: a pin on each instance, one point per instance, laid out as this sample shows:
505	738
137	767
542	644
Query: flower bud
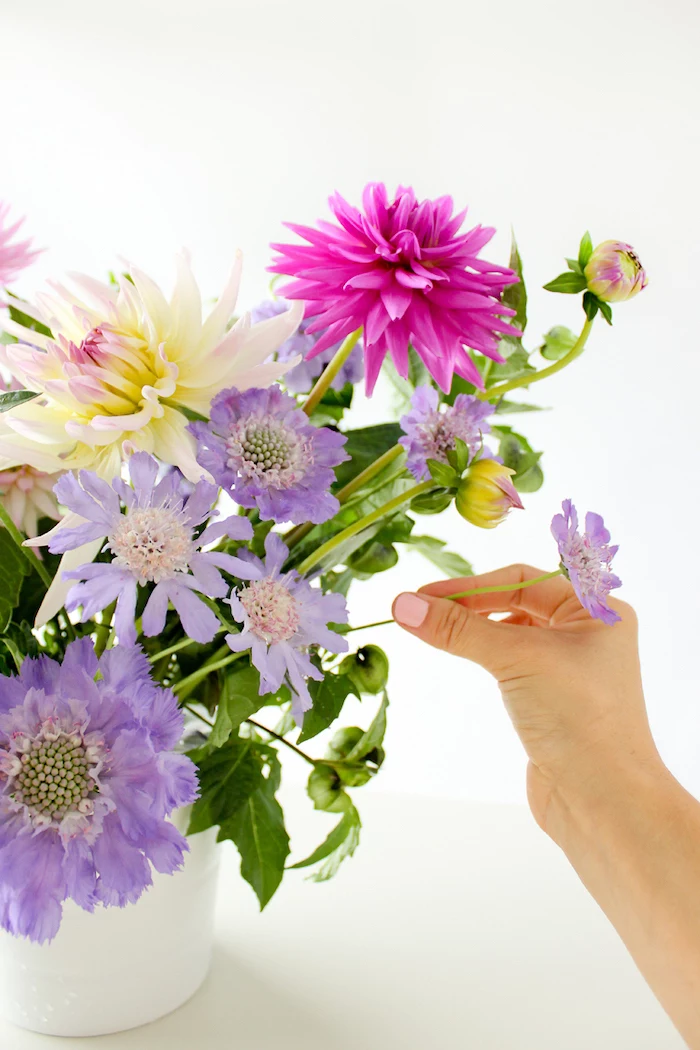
614	272
368	668
486	494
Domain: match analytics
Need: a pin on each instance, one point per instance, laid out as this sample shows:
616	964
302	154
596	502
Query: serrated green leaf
13	569
434	550
228	775
585	250
258	830
515	295
13	398
373	737
340	844
328	698
567	283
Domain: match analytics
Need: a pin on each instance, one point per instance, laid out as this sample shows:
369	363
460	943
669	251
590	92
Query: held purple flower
263	451
586	560
87	779
614	272
431	429
400	270
15	256
300	379
152	542
282	615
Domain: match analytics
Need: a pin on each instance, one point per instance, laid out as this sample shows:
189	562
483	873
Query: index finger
541	600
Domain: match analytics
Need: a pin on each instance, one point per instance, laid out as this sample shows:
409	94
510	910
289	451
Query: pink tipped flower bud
614	272
486	494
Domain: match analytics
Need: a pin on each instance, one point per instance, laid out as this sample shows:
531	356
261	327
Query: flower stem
103	630
182	644
362	523
188	707
185	686
331	371
27	552
534	377
366	626
505	586
298	533
282	740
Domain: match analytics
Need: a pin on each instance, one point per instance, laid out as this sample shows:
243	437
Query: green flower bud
368	669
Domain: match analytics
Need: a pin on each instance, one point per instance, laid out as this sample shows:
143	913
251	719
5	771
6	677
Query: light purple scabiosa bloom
15	256
431	431
152	542
263	451
300	379
87	779
282	615
586	560
399	269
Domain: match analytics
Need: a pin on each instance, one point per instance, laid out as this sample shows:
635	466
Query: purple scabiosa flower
586	560
282	615
87	779
614	272
152	543
263	451
15	256
431	432
301	377
399	270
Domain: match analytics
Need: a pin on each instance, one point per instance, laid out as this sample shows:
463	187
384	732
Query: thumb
450	626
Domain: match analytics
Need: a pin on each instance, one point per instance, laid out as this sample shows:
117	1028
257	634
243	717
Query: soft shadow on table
234	1007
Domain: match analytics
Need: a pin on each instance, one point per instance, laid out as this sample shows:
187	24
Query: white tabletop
456	926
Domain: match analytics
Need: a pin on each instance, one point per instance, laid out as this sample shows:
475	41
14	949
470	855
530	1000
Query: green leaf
365	446
507	408
19	317
328	698
568	283
373	737
227	778
434	550
372	558
13	569
515	295
574	265
432	502
340	844
606	310
14	652
515	366
258	830
442	474
189	413
459	456
557	343
15	397
517	454
591	305
239	698
585	250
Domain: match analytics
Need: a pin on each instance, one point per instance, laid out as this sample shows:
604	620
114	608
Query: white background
134	128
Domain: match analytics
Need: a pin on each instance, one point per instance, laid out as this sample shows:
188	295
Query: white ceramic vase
119	967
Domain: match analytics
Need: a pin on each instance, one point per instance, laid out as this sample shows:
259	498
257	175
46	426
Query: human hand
571	684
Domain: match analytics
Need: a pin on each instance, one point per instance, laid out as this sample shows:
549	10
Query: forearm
633	837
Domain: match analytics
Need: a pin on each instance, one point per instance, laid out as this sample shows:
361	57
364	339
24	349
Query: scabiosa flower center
273	611
152	543
266	449
588	562
441	429
53	774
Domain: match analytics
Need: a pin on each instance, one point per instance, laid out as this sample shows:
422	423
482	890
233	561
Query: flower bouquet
187	508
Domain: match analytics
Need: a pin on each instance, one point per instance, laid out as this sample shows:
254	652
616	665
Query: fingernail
410	610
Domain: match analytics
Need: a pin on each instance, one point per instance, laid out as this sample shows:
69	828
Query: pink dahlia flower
399	270
15	256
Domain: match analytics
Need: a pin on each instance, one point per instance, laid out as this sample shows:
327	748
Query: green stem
282	740
27	552
103	630
185	686
188	707
505	586
362	523
366	626
331	371
299	532
534	377
182	644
